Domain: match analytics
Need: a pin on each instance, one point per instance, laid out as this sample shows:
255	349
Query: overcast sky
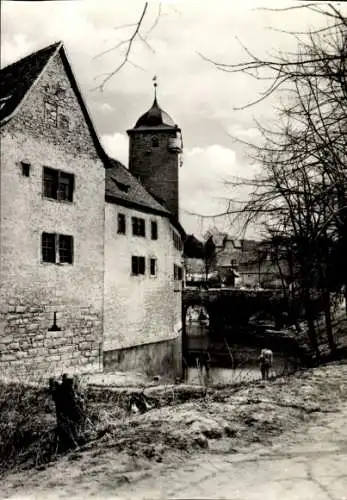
201	99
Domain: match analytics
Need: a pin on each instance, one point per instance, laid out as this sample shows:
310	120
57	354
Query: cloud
200	98
117	146
240	132
188	85
207	184
15	48
106	108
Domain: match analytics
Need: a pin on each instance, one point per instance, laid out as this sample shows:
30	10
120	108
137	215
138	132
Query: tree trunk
327	314
324	271
312	335
70	413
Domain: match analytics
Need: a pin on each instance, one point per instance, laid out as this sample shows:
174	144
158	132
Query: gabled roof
18	78
125	189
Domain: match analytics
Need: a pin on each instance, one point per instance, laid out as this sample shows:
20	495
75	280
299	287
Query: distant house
91	252
237	263
252	260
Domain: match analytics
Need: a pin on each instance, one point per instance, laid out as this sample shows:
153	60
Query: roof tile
122	186
17	78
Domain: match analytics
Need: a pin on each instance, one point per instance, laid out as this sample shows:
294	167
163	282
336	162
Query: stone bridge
231	302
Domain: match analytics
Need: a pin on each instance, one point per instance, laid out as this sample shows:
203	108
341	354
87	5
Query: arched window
155	142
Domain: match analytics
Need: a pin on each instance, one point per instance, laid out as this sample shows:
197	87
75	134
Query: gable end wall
31	291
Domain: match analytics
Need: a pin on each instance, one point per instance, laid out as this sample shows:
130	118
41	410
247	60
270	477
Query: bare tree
300	196
139	32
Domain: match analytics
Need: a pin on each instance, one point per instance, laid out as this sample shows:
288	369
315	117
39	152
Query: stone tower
155	147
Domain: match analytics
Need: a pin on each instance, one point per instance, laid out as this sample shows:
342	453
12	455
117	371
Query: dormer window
120	185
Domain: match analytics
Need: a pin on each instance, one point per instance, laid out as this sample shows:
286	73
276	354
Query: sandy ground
285	439
308	463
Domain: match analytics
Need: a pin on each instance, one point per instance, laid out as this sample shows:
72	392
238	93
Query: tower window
154	230
139	228
121	224
25	169
138	265
155	142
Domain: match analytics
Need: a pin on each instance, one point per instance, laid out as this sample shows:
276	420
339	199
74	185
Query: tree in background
300	195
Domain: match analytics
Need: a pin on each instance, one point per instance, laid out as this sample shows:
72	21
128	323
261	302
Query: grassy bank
180	419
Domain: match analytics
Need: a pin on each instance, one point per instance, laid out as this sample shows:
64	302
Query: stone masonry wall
32	290
27	345
159	358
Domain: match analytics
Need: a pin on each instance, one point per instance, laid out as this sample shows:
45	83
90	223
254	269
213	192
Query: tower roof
155	117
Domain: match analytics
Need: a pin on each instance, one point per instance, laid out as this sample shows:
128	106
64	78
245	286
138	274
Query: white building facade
91	259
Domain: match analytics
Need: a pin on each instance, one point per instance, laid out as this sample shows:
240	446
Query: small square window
25	169
153	266
154	230
121	224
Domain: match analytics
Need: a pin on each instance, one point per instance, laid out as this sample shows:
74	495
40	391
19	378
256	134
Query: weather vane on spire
155	85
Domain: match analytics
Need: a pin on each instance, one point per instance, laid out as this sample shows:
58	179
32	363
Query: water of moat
233	354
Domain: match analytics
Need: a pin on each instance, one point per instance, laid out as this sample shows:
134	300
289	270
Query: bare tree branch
129	42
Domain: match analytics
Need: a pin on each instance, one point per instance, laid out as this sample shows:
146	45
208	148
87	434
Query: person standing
266	362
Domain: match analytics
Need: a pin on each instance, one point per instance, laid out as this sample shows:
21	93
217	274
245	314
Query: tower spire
155	85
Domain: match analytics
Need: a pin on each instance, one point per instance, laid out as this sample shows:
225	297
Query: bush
26	416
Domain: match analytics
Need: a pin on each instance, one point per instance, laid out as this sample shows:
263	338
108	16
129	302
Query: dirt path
310	463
